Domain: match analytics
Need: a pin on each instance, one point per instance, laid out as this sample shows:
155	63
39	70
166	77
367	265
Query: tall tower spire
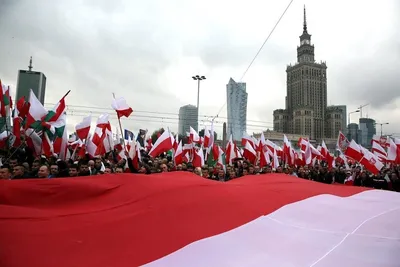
30	64
305	21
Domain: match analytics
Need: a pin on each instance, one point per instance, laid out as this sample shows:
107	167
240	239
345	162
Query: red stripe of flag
129	220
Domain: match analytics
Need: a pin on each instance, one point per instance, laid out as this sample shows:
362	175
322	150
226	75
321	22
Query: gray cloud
93	59
373	80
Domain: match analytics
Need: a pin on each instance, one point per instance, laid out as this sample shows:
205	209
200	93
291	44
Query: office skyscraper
237	108
187	117
368	130
28	79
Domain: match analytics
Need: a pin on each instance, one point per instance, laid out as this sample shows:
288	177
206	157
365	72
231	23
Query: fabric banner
179	219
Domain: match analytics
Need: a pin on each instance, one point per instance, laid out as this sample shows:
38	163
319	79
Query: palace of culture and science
306	112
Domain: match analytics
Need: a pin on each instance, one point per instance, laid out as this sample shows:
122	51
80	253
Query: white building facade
236	108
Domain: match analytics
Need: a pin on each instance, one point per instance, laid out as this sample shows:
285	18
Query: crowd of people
22	165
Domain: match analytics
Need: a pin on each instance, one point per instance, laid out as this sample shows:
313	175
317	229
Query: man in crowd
42	167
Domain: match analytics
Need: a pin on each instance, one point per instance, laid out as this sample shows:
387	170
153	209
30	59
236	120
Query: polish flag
262	146
231	151
163	144
330	161
307	154
393	153
380	140
288	151
354	151
303	143
315	152
324	149
198	158
207	137
247	138
121	107
249	153
342	158
371	162
82	129
180	219
194	136
178	155
379	151
176	143
264	159
342	143
271	147
91	148
264	152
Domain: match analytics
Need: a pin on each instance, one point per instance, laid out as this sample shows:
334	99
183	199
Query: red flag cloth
125	220
121	107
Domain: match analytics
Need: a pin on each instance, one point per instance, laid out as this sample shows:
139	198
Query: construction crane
360	108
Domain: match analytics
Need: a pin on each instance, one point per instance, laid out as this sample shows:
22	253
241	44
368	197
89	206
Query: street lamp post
198	78
352	113
381	124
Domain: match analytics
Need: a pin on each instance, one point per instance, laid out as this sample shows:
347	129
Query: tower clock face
305	42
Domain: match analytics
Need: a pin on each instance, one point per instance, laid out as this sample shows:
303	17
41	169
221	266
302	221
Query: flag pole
21	145
8	145
66	94
120	127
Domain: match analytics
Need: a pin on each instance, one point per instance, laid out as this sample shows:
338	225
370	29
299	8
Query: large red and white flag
180	219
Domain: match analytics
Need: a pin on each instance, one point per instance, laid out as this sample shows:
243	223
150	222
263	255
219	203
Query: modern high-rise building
28	79
188	116
306	100
237	109
367	131
353	133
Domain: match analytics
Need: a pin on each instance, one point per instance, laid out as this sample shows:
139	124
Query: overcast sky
147	51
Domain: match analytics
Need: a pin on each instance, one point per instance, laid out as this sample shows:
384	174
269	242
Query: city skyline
130	49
